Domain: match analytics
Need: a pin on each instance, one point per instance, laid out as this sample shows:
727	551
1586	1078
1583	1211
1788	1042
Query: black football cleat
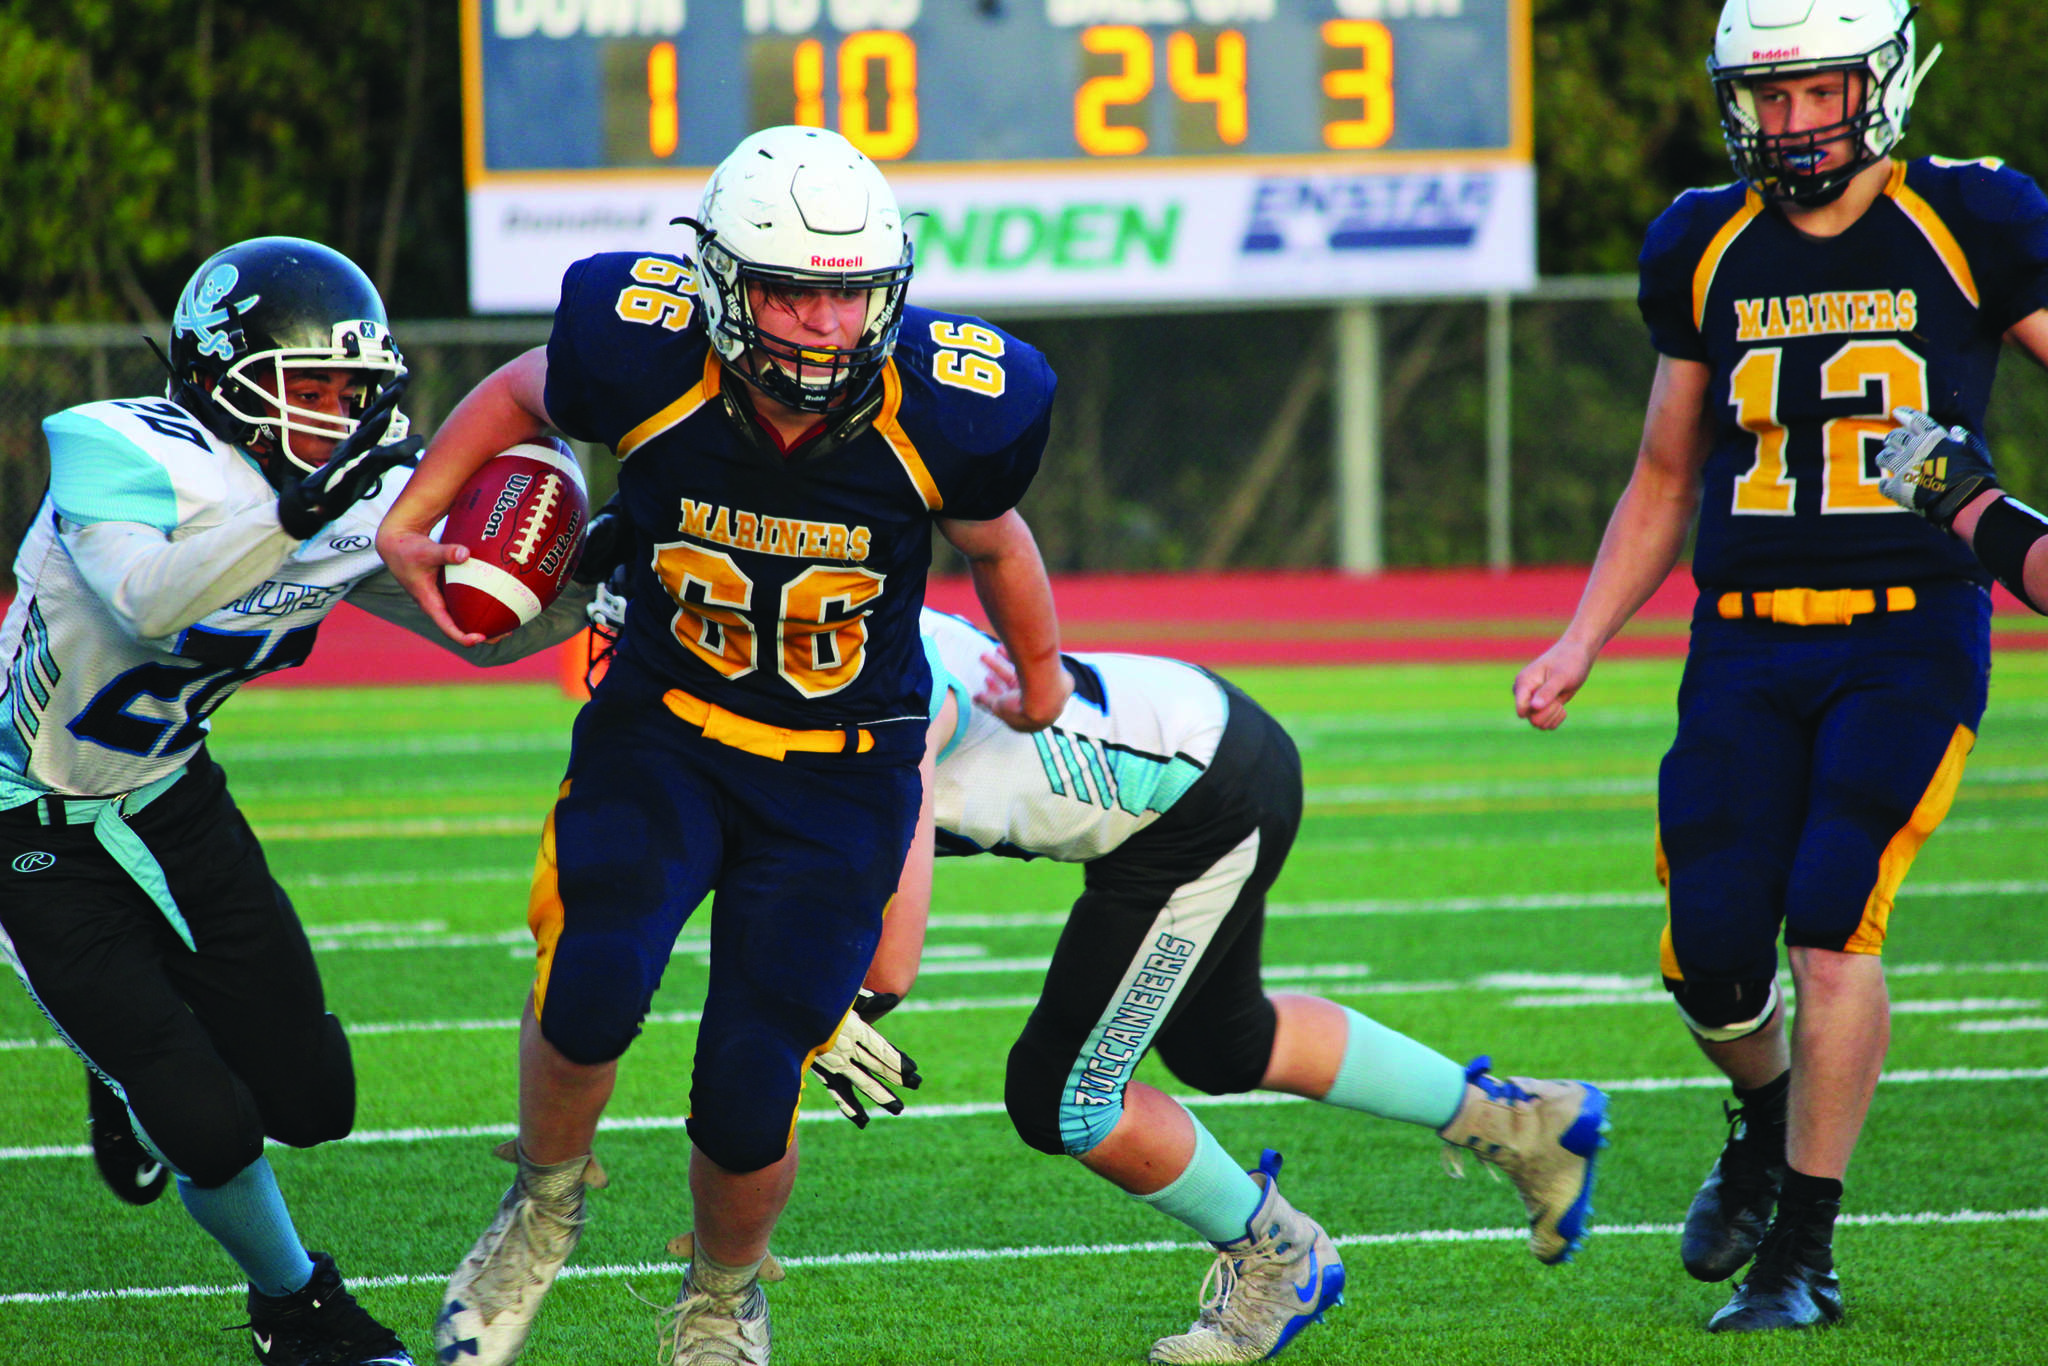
1792	1285
320	1324
130	1170
1733	1208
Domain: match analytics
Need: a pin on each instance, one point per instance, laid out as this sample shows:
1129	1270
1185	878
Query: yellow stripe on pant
1898	855
544	908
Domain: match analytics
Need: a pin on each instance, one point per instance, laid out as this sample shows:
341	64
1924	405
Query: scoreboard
1056	153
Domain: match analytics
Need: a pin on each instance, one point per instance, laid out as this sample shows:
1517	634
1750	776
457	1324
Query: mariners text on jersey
1813	342
786	588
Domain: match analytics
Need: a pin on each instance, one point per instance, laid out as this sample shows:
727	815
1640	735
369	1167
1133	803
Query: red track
1306	617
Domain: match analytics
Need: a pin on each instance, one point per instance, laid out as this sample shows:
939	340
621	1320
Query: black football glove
354	472
1931	469
861	1065
607	544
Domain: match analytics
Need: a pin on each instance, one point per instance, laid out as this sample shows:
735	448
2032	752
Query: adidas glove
354	472
1931	469
862	1066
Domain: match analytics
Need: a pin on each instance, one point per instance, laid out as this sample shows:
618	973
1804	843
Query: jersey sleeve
623	344
995	441
99	474
1671	252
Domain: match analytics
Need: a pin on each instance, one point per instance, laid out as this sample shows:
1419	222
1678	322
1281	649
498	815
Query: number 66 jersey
785	586
1813	342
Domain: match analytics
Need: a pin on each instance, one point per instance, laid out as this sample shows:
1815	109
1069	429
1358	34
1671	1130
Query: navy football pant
1162	949
1810	764
804	853
215	1049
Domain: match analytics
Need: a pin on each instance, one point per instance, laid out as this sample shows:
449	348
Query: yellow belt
1814	606
756	737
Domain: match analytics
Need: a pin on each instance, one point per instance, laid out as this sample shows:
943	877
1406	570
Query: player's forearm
504	410
156	587
1637	553
1009	578
2012	533
381	596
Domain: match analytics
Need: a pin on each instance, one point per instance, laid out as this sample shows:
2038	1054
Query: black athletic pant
1128	957
215	1048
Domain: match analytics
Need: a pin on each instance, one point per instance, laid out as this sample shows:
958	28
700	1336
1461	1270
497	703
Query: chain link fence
1181	440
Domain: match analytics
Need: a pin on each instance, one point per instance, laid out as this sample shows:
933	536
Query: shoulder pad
126	460
980	387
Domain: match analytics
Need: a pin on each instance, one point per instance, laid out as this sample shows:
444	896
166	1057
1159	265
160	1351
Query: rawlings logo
33	862
838	262
201	311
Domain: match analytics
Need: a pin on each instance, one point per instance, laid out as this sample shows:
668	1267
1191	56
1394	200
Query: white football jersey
154	582
1138	731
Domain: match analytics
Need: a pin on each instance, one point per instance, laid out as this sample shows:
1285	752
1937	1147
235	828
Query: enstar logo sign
1366	213
1101	235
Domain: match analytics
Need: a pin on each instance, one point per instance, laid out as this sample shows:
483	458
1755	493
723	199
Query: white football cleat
1269	1285
716	1327
1545	1135
493	1296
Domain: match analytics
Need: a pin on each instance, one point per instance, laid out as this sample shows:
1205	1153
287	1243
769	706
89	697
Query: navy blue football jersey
1813	341
786	588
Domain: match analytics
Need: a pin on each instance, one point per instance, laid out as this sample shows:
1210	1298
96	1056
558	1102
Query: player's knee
320	1104
740	1142
1722	1012
1227	1066
203	1122
1031	1093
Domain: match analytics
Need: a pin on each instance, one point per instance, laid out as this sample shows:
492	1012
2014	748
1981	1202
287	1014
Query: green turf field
1476	885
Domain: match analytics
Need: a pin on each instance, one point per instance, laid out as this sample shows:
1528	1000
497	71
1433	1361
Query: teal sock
1392	1076
247	1217
1215	1197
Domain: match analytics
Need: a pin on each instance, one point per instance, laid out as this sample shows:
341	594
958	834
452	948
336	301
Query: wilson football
522	515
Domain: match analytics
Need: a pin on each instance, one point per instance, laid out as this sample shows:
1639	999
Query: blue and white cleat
1265	1287
1546	1135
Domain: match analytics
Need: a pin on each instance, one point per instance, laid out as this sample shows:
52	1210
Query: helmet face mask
258	315
794	210
1869	42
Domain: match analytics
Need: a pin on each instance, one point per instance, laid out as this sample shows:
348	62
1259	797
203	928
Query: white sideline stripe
1320	724
978	1109
2026	1023
401	747
941	1256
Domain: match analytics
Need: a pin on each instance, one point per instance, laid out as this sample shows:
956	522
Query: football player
789	432
187	544
1182	796
1840	648
1945	475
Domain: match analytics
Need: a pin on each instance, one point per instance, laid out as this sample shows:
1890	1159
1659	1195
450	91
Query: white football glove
1931	469
861	1065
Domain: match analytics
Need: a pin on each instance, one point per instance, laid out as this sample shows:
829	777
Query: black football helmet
260	308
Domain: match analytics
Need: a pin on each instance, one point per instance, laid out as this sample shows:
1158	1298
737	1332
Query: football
523	516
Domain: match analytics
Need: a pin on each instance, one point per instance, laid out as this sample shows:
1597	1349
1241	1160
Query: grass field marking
1499	789
2024	1024
980	1109
942	1256
1658	996
1317	726
520	940
396	747
406	828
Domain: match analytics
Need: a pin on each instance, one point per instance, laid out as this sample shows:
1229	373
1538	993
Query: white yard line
981	1109
954	1256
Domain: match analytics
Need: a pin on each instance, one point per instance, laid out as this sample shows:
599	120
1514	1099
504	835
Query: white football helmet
1761	39
797	207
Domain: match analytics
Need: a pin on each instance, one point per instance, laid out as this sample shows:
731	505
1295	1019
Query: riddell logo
838	262
1773	54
